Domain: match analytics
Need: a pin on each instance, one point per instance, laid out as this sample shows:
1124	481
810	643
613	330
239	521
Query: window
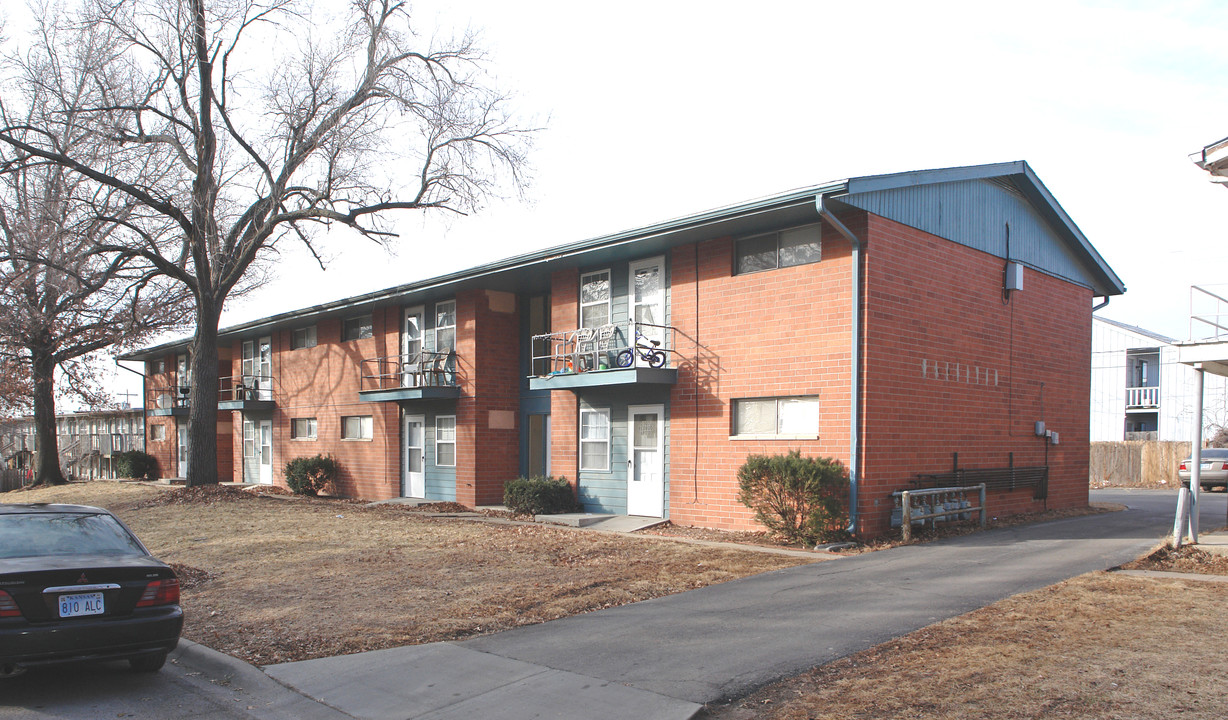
445	326
157	367
303	429
776	417
595	299
796	246
445	441
303	338
157	432
595	439
356	328
356	427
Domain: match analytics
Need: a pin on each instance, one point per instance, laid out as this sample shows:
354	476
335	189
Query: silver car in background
1214	470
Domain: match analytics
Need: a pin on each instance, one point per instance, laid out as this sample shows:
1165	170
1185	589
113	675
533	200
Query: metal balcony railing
1142	397
608	347
244	387
422	369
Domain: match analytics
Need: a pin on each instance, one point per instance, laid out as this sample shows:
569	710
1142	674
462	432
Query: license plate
1206	466
81	604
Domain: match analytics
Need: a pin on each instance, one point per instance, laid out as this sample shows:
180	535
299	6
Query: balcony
421	376
640	354
167	400
1142	397
245	393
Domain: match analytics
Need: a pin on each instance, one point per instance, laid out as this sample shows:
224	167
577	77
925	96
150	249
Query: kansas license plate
81	604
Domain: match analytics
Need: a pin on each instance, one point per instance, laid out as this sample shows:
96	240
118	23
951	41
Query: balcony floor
602	378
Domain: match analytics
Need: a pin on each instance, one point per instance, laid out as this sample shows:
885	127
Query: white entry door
646	461
414	432
411	345
266	452
647	293
183	449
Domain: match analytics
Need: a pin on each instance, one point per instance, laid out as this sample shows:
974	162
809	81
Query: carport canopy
1205	356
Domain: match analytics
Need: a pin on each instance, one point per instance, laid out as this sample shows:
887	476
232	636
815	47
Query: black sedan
76	585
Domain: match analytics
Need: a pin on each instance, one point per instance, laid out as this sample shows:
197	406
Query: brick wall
950	367
564	406
777	333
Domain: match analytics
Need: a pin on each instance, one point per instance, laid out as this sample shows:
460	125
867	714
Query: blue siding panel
975	213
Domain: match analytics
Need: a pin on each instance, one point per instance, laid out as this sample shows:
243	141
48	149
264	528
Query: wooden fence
1136	463
11	479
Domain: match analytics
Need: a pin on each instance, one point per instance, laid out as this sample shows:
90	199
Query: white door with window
646	290
414	433
183	449
411	345
646	461
266	452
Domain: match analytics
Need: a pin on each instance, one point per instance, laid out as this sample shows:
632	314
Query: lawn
275	579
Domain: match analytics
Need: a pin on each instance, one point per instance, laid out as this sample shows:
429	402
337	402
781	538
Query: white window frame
437	327
776	237
609	299
781	432
438	442
366	427
312	429
304	337
366	327
601	412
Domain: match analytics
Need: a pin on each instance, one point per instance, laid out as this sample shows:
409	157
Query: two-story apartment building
88	441
1140	391
907	325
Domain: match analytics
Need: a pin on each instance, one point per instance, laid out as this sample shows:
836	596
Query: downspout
855	362
1097	307
144	394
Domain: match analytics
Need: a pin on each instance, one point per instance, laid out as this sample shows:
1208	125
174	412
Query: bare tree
60	300
270	127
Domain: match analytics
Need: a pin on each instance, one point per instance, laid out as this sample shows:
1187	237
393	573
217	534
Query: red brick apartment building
908	325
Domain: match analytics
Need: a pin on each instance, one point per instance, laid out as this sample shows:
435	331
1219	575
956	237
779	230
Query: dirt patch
272	580
1187	558
1097	646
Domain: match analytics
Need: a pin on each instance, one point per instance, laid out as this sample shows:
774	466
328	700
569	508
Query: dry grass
272	580
1097	646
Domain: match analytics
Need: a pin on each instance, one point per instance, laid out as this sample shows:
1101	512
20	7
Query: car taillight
160	592
1183	467
8	607
1224	466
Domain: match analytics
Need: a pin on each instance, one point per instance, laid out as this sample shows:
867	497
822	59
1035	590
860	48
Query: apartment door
646	461
646	288
411	344
258	369
183	449
266	452
414	434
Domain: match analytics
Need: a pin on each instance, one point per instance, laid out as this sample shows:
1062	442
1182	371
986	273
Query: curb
268	697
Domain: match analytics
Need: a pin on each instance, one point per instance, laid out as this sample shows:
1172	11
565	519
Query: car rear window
1214	453
39	534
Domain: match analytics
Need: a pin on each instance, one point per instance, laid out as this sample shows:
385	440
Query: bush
539	496
310	475
799	498
136	464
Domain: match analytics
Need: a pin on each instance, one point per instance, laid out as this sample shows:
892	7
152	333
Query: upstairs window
356	328
795	246
595	299
304	337
445	326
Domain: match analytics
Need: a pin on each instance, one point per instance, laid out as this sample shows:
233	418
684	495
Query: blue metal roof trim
1042	234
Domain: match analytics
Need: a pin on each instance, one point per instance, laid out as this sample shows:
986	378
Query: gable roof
986	197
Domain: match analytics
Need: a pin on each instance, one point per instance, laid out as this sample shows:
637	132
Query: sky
654	110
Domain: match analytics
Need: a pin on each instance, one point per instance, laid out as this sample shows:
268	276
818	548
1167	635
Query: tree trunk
47	460
202	418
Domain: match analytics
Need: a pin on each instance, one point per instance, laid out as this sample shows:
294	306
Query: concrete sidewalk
664	658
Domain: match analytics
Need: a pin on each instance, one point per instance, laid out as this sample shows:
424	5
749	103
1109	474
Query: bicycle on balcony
646	349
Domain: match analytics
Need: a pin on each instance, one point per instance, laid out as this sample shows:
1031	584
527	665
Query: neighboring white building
1141	392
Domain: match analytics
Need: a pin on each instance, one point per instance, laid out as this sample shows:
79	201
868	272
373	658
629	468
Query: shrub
136	464
310	475
539	496
799	498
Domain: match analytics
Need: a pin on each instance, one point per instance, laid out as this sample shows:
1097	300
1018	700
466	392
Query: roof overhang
1214	159
1209	356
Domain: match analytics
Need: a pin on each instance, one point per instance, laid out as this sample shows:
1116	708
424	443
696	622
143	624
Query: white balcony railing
609	347
1142	397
